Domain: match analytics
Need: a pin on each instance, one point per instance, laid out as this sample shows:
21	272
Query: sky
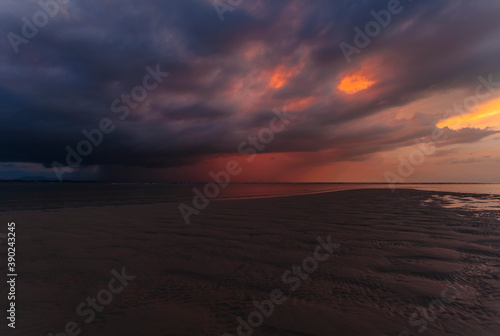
293	91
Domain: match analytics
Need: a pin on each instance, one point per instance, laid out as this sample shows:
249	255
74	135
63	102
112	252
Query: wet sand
398	254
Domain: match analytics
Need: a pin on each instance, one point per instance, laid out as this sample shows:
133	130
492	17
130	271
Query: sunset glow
487	115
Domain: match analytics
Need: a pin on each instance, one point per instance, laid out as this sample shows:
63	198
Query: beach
387	263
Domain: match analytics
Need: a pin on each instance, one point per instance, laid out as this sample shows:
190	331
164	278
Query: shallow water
466	202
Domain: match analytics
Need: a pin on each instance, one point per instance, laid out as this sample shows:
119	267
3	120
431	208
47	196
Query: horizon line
205	182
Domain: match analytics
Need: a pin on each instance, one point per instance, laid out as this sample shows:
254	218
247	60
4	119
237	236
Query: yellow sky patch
487	115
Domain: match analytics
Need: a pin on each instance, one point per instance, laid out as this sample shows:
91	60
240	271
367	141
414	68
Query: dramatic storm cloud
170	90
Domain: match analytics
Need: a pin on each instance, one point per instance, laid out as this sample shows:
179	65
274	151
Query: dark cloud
65	79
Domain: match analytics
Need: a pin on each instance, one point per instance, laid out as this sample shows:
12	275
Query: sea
52	195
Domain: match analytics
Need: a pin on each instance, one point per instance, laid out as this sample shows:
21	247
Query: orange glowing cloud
487	115
280	77
354	83
282	74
